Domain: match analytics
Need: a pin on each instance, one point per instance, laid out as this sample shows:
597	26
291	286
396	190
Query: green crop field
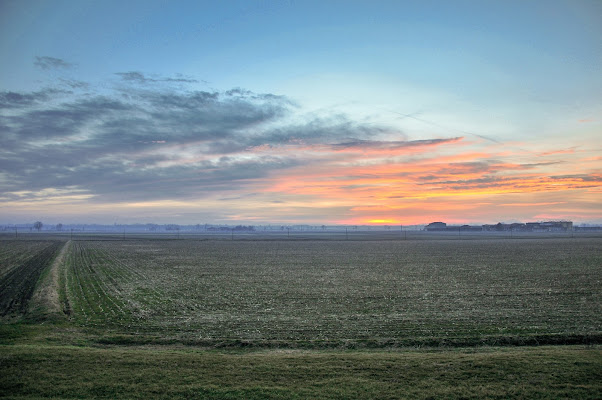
363	304
328	293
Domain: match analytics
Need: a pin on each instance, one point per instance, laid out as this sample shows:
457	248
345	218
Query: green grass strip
547	372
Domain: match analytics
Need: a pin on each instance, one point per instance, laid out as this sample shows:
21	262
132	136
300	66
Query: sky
300	112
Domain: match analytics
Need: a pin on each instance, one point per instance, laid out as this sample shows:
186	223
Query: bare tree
38	225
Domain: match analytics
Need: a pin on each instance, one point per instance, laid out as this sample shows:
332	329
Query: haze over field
300	112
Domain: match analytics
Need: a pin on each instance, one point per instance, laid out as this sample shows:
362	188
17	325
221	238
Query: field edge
34	371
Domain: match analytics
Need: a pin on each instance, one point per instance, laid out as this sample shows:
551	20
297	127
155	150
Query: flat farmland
322	319
337	293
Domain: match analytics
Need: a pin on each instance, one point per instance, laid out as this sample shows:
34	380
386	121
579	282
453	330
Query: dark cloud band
144	142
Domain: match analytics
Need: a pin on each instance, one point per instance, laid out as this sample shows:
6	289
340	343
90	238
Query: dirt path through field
47	293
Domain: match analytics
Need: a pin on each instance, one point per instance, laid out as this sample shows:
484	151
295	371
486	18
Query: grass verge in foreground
37	371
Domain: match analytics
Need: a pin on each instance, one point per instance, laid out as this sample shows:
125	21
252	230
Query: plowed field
21	263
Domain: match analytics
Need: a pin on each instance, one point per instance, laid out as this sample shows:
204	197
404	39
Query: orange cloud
562	151
382	184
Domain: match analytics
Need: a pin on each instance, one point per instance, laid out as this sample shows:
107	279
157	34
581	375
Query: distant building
593	228
518	227
549	226
499	227
436	226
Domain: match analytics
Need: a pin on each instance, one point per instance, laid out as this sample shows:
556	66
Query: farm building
505	227
547	226
443	227
550	226
436	226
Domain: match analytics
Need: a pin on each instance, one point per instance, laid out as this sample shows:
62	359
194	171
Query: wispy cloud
390	145
570	150
74	84
140	78
47	63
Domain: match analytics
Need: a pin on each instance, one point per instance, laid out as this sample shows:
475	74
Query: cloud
392	145
579	177
320	130
133	76
152	142
47	63
570	150
182	79
15	100
65	120
139	78
74	84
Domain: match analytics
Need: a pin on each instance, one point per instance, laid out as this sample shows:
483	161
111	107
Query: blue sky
514	80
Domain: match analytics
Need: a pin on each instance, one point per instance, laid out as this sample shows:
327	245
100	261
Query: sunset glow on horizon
301	113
